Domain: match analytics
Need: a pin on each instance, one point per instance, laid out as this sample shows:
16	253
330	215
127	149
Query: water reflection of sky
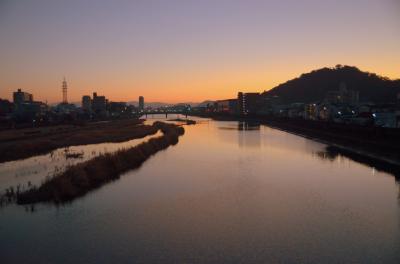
212	199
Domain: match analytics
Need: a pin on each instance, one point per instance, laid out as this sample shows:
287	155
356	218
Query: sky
187	50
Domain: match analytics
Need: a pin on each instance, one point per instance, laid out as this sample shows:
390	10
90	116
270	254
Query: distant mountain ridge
313	86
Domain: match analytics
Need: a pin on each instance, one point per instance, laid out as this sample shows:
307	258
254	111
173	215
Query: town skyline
188	51
134	98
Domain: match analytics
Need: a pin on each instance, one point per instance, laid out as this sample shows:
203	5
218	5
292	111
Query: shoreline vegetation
373	145
24	143
79	179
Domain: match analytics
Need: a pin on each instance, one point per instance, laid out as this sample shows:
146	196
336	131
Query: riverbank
376	145
77	180
24	143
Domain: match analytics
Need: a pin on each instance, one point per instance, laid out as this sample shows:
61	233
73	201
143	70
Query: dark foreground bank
77	180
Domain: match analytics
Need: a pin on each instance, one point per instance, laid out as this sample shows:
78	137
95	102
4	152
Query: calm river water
228	192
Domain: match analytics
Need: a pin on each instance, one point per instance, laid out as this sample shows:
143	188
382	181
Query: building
117	109
31	111
342	96
99	104
248	103
311	112
141	103
20	97
327	112
228	106
27	110
86	103
6	107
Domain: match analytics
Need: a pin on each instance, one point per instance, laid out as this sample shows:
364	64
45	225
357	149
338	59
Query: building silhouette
248	103
141	103
99	104
20	97
64	91
86	103
228	106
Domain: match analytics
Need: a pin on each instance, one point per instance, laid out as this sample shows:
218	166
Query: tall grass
115	131
79	179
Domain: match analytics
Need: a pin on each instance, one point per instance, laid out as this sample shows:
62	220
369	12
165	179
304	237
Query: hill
313	86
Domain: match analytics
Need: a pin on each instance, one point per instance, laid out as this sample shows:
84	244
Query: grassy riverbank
23	143
77	180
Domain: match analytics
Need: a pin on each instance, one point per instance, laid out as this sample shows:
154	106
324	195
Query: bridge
166	113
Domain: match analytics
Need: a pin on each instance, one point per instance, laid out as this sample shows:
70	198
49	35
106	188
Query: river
228	192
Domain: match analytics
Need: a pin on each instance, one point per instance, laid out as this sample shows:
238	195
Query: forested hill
313	86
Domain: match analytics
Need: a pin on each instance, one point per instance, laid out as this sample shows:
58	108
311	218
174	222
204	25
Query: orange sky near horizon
187	51
187	88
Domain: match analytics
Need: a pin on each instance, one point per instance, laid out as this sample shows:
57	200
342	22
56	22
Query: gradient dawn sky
176	51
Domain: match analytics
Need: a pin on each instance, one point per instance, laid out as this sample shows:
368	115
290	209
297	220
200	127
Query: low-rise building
311	111
6	107
120	109
30	111
295	110
20	97
228	106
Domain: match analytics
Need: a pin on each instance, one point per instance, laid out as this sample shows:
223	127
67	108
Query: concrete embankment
375	143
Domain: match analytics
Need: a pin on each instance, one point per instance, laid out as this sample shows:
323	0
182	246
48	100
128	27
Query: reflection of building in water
248	125
249	134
